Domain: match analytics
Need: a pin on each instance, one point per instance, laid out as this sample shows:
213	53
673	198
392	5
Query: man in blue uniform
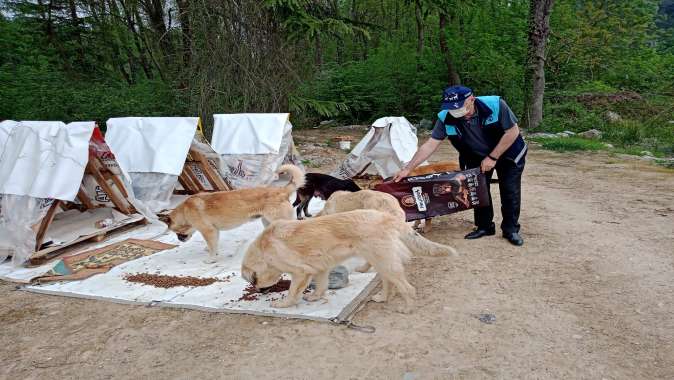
484	131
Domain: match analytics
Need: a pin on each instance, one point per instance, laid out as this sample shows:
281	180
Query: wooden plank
41	256
187	183
190	173
118	183
46	221
213	177
84	198
94	168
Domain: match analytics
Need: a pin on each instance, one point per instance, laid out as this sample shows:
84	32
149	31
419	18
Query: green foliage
567	144
644	125
351	60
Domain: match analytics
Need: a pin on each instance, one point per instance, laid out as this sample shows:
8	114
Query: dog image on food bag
210	213
311	248
437	167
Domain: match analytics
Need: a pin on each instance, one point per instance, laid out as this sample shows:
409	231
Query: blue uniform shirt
476	139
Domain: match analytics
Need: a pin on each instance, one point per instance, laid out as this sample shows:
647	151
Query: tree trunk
452	76
184	19
155	14
396	24
131	26
539	28
420	27
319	51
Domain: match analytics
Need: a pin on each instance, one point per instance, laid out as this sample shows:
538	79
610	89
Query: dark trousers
510	186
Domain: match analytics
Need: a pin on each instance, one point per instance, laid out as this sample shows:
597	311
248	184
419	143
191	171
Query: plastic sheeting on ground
189	259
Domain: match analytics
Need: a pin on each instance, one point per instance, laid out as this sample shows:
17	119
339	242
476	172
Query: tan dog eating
342	201
311	248
210	213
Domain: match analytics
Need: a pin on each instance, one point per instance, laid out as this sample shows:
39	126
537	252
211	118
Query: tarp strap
350	325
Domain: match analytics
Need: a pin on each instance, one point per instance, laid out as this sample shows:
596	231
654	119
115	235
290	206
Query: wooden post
213	177
84	198
46	221
94	168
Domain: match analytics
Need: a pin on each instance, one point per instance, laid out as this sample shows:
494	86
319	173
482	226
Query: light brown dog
437	167
311	248
210	213
343	201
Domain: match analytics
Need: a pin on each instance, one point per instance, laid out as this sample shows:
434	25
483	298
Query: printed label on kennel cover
437	194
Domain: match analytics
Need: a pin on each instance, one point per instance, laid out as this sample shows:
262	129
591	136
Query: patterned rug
101	260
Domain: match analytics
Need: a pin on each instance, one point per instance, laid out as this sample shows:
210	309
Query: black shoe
478	233
514	238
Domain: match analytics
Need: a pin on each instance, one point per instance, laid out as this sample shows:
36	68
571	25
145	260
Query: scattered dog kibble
165	281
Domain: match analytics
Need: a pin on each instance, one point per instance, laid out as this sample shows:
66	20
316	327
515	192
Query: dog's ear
165	218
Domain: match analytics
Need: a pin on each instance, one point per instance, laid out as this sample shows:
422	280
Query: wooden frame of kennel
113	187
200	171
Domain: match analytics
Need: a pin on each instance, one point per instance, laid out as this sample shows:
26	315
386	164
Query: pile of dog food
252	294
165	281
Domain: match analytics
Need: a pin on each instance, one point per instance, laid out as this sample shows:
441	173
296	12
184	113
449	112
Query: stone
543	135
613	117
645	153
337	279
591	134
610	146
425	124
570	133
327	123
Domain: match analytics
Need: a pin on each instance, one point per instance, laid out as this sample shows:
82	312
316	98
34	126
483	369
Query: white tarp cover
388	146
151	144
19	218
249	133
223	296
43	159
252	147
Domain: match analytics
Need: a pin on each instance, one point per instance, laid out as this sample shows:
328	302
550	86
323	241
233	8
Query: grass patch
569	144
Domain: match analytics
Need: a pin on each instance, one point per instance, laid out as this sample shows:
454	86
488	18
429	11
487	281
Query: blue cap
453	97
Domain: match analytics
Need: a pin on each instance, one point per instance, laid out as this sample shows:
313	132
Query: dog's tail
296	176
424	247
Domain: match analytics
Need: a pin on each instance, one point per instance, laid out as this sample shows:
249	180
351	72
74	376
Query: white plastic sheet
19	220
151	144
43	159
245	170
249	133
387	147
154	190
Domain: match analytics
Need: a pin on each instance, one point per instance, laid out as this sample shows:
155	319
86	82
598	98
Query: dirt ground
590	295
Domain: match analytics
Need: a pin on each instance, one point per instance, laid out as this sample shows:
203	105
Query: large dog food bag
438	194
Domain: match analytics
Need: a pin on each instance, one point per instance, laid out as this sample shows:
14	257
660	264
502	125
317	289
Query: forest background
608	65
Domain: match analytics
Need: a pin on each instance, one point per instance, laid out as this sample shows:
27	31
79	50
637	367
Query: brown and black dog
321	186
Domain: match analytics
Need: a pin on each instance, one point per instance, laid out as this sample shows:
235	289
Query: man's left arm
509	123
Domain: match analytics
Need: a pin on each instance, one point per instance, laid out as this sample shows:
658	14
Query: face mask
461	112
